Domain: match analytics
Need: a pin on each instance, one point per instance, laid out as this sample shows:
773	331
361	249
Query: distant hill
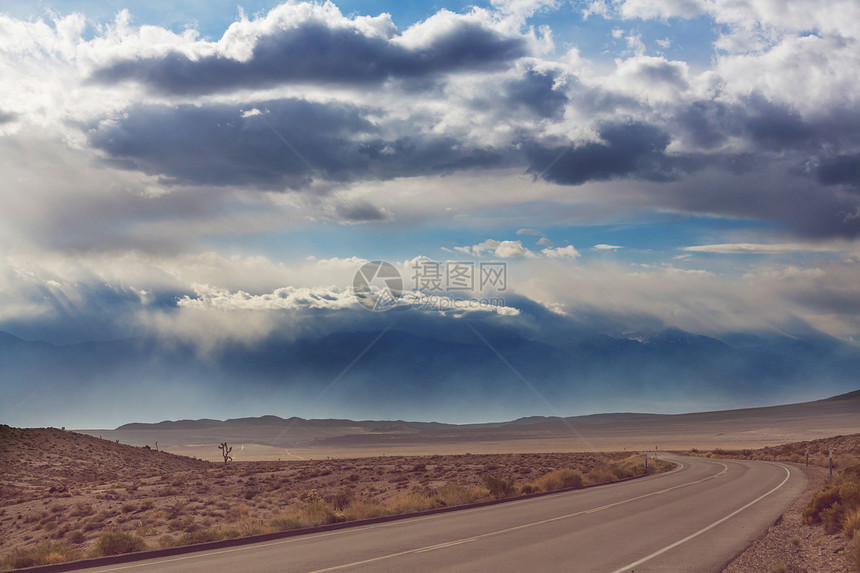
748	427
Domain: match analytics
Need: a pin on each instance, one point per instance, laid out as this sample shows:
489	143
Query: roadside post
807	457
831	463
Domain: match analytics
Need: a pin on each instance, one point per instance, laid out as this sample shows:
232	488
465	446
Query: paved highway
696	518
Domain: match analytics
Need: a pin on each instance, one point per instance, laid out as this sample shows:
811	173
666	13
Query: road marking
414	520
516	527
704	529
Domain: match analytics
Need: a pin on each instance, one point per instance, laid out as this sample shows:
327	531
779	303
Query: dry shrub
529	488
831	505
851	522
499	487
289	518
601	474
456	494
118	543
342	499
364	509
412	502
559	479
199	536
44	554
319	513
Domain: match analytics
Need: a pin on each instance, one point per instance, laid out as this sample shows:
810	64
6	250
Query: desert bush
455	494
851	522
342	499
199	536
412	502
529	488
831	505
499	487
364	509
601	474
118	543
44	554
310	496
319	513
285	523
76	536
559	479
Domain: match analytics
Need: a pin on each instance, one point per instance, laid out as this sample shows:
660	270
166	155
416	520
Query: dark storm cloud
288	145
842	169
776	127
771	181
315	53
708	124
535	92
634	150
770	127
767	191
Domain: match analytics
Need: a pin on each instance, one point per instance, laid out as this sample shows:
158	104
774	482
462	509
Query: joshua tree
225	451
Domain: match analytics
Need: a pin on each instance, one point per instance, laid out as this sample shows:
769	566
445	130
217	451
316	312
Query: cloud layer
159	184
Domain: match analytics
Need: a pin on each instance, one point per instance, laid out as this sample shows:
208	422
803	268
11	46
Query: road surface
696	518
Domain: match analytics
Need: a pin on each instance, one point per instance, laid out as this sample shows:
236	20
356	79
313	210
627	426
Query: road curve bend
696	518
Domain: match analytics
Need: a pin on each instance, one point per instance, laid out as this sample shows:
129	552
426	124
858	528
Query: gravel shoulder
790	546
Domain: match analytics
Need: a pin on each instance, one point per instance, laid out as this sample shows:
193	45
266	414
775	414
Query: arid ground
62	492
68	495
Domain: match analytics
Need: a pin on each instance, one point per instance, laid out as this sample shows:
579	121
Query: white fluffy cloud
561	252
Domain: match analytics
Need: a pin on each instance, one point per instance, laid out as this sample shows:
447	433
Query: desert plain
68	495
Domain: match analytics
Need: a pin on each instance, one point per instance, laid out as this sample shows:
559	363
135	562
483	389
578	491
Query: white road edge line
704	529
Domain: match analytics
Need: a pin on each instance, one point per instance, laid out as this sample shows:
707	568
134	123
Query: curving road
696	518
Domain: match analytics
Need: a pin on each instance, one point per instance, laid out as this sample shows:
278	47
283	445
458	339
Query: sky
207	175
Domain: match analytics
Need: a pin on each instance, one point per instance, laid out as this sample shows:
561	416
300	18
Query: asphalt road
696	518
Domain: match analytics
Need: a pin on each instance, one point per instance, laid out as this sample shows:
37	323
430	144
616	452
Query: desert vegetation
846	452
835	507
67	496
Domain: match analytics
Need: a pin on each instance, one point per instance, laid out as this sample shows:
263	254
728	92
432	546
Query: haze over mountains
272	437
408	365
